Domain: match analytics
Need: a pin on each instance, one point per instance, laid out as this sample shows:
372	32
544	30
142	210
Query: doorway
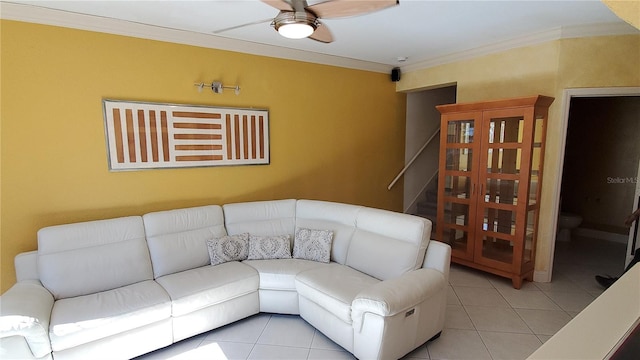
422	148
600	157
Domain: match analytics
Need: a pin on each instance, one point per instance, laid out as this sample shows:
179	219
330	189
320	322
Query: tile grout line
315	332
475	328
261	333
517	313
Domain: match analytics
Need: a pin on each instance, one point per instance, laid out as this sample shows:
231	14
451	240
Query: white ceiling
423	31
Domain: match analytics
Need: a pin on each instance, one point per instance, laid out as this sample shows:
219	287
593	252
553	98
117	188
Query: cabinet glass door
534	190
456	184
500	184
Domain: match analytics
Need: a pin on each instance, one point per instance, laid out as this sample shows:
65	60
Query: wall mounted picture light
217	87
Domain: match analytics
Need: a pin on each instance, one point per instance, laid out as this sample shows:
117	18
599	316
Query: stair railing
413	159
421	192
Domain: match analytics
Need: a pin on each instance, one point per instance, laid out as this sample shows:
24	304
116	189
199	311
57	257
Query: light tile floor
486	317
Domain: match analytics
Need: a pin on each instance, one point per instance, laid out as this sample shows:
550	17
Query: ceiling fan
297	19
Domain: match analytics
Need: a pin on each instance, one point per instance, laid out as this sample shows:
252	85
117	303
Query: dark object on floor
605	281
435	336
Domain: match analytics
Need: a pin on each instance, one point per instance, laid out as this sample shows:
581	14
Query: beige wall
520	72
336	134
545	69
627	10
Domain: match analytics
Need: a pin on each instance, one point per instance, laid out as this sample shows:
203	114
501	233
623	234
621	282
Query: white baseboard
597	234
541	276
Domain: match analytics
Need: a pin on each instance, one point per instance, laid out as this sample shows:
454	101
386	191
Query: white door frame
634	230
567	95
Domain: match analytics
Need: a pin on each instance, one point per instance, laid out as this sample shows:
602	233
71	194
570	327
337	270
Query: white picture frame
142	135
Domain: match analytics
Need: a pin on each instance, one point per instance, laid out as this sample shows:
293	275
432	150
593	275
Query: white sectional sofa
119	288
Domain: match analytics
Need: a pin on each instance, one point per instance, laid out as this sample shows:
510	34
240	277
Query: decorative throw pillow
269	247
228	248
310	244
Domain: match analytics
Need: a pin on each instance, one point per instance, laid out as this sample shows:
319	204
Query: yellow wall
336	134
627	10
546	69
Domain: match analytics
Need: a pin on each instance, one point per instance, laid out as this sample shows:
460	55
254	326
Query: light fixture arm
217	87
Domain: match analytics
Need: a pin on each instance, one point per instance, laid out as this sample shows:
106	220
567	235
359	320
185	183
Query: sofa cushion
312	244
339	218
90	257
333	288
263	218
196	289
388	298
228	248
269	247
82	319
280	274
387	244
178	238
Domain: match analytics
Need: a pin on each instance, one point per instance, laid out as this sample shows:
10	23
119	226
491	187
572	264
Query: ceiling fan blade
281	5
322	34
344	8
243	25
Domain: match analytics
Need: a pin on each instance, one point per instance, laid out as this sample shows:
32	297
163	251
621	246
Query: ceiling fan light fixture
296	31
295	25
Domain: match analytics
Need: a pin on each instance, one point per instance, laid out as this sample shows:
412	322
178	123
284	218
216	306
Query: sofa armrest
27	266
401	294
25	310
438	257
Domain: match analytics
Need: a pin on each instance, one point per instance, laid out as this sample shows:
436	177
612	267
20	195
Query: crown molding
40	15
603	29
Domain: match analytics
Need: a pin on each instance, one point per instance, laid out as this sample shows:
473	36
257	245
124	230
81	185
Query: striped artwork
152	136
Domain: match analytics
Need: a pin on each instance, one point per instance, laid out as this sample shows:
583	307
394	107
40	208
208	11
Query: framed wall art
154	135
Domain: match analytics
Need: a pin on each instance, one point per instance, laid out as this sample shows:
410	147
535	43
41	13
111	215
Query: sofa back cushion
388	244
324	215
89	257
178	238
261	218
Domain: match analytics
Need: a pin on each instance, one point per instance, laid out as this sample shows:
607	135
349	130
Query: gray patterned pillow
228	248
269	247
310	244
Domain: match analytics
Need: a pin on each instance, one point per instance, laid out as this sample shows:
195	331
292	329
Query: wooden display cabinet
491	158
